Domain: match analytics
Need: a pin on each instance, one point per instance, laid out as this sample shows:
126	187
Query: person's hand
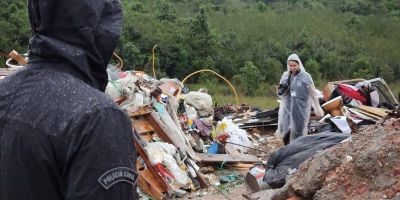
276	90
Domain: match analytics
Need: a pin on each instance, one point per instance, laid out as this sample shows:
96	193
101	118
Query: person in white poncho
298	94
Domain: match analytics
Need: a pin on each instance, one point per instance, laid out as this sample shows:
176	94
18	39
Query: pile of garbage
351	153
180	134
176	134
354	103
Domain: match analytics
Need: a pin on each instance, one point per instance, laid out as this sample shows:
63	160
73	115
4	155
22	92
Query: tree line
247	41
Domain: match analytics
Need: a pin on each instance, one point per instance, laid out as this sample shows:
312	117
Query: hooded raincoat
296	102
61	137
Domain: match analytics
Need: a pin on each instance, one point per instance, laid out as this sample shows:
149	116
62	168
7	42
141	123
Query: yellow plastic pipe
120	64
153	50
215	73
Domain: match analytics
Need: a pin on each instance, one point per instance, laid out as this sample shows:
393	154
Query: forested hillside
248	41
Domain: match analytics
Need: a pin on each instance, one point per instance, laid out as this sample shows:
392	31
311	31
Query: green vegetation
248	41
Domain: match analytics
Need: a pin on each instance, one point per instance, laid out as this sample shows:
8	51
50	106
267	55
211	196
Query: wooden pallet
150	181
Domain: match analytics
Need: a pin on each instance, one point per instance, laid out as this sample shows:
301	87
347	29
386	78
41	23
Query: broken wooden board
149	185
158	179
217	158
361	115
376	117
17	57
146	137
202	179
144	121
141	111
232	150
376	111
120	100
240	166
142	126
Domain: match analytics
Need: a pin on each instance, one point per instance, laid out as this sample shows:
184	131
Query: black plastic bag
291	156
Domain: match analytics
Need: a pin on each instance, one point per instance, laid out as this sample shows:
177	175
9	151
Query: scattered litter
254	179
229	178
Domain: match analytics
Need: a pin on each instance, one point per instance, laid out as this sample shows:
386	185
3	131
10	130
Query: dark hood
78	36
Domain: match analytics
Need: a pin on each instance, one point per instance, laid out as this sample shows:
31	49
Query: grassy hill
248	41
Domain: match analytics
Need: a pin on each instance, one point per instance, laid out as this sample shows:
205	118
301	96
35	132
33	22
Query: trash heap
175	133
351	104
365	167
351	153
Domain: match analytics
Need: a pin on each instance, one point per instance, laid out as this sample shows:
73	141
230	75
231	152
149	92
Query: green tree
312	67
14	27
165	10
332	63
250	78
200	40
132	56
272	70
137	6
387	73
362	68
261	6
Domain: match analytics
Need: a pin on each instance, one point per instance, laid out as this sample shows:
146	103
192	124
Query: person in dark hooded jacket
61	137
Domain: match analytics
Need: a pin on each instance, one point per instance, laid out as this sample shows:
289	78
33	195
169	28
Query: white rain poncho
295	105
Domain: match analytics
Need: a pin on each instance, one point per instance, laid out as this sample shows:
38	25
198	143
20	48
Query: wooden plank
231	150
17	57
216	158
369	114
376	111
141	111
361	115
149	185
160	132
160	180
164	137
120	100
240	166
202	179
146	137
142	126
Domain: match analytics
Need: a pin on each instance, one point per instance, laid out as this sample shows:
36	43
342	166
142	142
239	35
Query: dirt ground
365	167
216	194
